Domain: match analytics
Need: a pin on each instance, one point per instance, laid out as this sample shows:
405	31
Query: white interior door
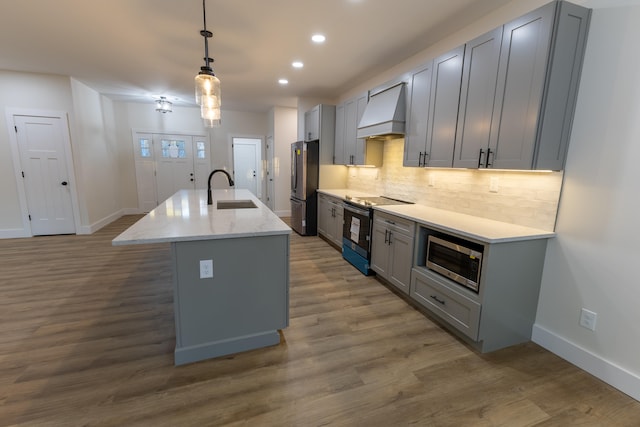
47	181
174	164
247	164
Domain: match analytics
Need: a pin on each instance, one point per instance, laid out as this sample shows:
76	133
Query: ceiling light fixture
318	38
162	105
283	81
207	84
297	64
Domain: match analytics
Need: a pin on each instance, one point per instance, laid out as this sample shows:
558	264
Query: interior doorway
41	148
247	164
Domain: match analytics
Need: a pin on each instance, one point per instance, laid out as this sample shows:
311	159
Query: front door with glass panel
168	163
174	164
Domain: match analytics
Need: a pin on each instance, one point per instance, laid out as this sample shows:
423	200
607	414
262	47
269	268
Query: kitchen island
230	263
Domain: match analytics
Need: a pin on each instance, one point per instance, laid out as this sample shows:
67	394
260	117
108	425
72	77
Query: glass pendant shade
210	115
207	85
163	106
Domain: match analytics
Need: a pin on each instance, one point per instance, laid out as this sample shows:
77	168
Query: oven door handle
352	208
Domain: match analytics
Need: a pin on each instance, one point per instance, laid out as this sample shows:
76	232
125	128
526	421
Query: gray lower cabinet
330	218
392	249
433	111
350	150
237	309
538	77
503	311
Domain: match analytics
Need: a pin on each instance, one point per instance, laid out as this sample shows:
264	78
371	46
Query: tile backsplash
524	198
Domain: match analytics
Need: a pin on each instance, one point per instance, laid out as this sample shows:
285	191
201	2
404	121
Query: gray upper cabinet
445	98
433	112
319	124
415	138
537	84
339	151
479	74
312	124
350	150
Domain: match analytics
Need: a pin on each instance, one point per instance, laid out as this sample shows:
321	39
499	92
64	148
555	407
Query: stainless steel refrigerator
304	183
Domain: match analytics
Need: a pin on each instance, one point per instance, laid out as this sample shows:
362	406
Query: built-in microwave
457	259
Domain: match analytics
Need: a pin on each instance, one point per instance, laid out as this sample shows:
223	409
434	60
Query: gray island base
241	299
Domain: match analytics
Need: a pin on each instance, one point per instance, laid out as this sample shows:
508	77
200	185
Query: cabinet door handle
390	234
426	159
420	159
489	153
438	300
480	158
386	234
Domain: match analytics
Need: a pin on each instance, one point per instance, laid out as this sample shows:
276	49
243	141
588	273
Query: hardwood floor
87	338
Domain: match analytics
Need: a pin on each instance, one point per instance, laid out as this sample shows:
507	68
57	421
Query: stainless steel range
357	229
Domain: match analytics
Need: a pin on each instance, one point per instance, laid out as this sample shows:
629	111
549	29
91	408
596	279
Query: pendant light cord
206	34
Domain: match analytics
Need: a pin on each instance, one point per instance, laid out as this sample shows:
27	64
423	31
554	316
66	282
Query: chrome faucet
231	183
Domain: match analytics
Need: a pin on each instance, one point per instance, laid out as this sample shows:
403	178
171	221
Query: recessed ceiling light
318	38
297	64
283	81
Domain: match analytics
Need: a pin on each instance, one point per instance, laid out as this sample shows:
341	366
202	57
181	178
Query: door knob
64	183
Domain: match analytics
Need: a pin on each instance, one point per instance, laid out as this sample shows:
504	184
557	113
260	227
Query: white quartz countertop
343	193
186	216
478	228
482	229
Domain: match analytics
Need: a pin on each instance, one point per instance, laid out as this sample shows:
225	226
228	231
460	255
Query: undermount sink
235	204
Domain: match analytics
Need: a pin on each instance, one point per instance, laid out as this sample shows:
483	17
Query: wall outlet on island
206	268
432	180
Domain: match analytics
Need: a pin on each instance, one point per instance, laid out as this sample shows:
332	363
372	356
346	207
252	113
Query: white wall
285	131
592	262
143	117
24	91
95	158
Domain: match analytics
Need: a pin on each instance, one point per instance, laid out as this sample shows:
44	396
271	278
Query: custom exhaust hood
384	115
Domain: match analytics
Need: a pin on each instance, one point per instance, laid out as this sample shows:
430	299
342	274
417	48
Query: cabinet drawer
433	293
395	223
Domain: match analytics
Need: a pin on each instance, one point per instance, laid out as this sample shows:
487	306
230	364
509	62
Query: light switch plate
206	268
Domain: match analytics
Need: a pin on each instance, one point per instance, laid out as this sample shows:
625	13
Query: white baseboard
90	229
614	375
13	233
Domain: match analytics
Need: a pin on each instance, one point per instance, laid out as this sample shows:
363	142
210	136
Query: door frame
262	165
10	113
195	134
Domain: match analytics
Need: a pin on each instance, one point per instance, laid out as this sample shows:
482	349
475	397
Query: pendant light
207	84
163	105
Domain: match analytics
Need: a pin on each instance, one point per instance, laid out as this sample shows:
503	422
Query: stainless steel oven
356	236
357	228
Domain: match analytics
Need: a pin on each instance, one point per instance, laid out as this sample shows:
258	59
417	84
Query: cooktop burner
375	201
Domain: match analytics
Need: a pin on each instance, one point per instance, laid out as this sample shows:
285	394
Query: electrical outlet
494	184
206	268
432	180
588	319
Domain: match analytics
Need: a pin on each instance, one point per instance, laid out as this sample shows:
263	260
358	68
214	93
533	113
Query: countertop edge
190	202
522	234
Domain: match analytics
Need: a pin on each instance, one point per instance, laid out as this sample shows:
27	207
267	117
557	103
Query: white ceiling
135	49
